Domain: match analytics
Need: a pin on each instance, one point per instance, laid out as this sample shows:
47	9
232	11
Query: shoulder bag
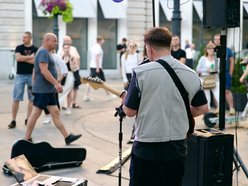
183	93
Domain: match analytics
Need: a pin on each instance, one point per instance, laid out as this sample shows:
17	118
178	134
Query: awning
167	6
113	10
38	10
81	8
199	8
246	7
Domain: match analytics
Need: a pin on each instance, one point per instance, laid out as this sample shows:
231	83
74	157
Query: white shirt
73	52
96	50
128	64
204	65
60	64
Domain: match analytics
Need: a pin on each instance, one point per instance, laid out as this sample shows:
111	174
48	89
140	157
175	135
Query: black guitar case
42	156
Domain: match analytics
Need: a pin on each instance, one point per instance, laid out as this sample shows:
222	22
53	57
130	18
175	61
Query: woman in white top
208	64
71	63
129	60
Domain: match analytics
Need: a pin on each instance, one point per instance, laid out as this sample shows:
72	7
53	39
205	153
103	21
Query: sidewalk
99	129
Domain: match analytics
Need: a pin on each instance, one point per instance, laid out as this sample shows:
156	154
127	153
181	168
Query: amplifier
210	159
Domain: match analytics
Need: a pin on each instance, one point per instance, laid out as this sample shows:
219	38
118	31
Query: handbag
183	92
209	82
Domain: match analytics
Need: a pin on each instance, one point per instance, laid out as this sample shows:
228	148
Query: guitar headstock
95	83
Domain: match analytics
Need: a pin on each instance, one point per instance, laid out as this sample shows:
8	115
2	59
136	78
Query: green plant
237	87
57	7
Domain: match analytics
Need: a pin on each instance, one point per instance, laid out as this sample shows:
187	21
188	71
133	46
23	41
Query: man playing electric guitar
161	117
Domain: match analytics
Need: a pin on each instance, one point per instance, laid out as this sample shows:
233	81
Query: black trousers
159	173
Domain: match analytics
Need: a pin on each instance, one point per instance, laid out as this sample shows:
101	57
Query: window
41	25
77	30
108	29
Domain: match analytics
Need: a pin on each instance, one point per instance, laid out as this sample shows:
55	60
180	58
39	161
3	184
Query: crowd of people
53	80
207	65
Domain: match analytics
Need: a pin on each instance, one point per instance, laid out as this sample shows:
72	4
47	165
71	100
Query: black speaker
221	13
210	159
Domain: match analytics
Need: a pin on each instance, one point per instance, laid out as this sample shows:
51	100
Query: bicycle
12	74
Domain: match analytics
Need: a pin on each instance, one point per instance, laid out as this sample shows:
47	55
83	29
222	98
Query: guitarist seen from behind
161	126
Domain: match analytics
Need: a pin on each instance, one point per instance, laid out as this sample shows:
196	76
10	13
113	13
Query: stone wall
12	22
139	19
12	26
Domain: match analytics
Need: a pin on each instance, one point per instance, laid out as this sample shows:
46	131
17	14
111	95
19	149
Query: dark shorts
42	100
100	75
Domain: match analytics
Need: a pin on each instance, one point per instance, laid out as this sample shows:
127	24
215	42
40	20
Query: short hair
66	44
29	34
218	34
158	37
99	38
68	38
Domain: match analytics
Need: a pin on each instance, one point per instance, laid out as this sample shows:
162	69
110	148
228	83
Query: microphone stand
121	114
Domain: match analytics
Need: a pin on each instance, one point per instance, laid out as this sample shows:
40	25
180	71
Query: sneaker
12	124
232	112
26	121
68	112
47	120
69	139
87	98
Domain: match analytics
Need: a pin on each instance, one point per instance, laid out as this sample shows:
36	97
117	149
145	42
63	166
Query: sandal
74	105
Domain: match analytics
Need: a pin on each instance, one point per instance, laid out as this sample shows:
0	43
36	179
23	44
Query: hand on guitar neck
97	83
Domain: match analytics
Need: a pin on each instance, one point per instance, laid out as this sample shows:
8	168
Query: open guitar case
42	156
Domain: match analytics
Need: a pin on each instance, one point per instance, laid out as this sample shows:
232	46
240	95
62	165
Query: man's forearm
22	58
231	65
30	61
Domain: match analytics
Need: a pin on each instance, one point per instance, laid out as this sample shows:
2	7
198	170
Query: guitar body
43	156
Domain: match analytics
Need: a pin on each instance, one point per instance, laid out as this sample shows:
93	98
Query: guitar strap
182	91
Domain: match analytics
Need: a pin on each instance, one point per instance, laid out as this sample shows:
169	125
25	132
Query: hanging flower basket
57	7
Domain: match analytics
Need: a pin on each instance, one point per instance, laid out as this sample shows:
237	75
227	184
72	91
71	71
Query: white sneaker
86	98
68	112
47	120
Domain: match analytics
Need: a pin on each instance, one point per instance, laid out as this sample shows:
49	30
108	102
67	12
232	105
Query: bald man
45	86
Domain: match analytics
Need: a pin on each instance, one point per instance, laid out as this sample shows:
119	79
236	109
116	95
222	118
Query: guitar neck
111	89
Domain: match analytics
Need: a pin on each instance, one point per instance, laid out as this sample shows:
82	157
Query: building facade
129	18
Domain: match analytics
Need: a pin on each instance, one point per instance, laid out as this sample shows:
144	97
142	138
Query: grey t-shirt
41	85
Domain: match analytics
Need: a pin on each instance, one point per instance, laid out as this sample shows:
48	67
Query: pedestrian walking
45	86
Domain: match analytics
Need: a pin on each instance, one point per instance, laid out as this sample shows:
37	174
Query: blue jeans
20	82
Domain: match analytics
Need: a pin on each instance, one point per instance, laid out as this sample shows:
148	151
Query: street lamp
176	19
54	8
